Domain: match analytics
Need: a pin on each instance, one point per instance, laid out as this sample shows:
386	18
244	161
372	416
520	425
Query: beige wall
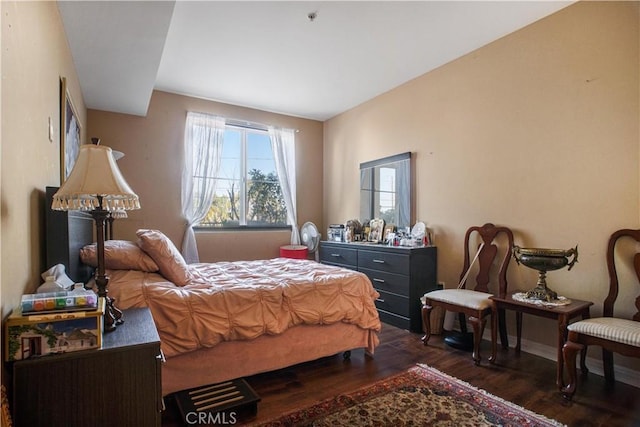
35	54
538	131
153	147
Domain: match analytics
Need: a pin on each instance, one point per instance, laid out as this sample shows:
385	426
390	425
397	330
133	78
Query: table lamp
96	185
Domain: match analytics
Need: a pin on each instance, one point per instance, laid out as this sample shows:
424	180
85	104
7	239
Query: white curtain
403	192
284	153
203	137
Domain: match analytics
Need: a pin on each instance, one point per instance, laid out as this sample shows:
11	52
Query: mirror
385	190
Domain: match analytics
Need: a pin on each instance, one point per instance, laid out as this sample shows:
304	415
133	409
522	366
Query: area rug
421	396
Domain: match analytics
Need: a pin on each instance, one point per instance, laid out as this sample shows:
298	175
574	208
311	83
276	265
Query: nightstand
117	385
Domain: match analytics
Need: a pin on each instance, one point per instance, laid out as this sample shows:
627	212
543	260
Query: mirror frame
373	164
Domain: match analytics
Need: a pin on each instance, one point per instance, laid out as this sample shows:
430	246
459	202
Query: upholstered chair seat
463	297
622	331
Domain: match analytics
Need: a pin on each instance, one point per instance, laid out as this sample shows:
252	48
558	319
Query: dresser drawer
389	282
384	261
393	303
337	255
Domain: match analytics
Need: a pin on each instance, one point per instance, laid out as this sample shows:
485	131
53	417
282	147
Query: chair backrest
489	233
613	274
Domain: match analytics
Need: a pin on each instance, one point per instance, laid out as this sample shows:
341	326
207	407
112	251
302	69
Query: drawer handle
335	255
380	300
375	279
379	261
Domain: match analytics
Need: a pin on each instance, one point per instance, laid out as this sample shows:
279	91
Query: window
247	189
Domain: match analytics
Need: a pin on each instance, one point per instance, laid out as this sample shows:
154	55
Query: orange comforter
242	300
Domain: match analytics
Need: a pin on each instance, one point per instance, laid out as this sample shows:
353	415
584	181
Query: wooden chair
475	303
613	334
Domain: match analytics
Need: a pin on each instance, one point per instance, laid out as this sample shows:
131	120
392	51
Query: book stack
52	323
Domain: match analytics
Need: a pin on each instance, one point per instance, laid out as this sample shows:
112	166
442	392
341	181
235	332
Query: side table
117	385
563	314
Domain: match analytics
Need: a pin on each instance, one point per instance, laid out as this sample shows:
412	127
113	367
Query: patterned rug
421	396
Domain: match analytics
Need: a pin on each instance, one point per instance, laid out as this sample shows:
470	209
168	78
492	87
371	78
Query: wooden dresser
401	276
118	385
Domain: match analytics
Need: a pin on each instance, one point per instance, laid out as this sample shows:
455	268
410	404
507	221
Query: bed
264	315
228	320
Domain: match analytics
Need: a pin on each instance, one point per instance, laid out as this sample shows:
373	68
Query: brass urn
544	260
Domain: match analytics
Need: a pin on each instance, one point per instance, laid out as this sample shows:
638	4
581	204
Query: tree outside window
248	192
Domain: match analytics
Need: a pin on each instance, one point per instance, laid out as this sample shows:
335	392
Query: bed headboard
66	234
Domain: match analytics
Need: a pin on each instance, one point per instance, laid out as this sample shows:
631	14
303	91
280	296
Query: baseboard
622	374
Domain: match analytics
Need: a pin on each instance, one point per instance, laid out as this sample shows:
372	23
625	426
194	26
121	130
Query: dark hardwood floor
526	380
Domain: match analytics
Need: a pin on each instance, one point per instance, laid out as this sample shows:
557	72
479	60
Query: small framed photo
70	132
377	230
366	231
389	229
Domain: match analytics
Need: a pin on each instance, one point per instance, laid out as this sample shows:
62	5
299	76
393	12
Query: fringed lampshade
95	174
96	185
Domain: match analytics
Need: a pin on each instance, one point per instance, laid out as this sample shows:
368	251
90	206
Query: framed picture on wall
70	132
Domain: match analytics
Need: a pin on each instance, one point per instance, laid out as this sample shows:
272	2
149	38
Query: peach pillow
119	255
162	250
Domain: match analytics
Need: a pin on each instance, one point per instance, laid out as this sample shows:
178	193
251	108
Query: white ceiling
269	55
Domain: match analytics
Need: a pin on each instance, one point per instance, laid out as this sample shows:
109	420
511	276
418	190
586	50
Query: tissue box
28	336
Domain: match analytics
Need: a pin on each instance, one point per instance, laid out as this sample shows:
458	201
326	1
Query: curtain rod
245	123
250	125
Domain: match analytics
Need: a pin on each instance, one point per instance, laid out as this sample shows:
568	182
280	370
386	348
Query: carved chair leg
478	328
426	322
607	364
583	361
462	319
569	352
